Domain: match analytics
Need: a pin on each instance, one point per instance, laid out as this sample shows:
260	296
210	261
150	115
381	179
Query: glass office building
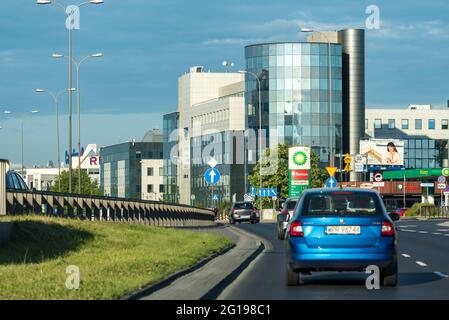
295	82
232	172
170	138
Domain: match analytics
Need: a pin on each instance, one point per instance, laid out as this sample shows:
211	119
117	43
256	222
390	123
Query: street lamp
69	12
260	131
78	66
55	97
21	116
331	147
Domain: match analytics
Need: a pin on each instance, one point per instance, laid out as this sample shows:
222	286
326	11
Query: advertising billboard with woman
383	152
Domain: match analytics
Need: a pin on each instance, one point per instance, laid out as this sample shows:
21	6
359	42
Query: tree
279	179
318	174
88	186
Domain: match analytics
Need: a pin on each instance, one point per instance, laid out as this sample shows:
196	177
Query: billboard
386	152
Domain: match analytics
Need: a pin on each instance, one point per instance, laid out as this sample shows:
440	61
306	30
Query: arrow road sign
331	183
212	176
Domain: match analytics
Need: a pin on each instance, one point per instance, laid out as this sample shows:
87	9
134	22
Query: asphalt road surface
423	269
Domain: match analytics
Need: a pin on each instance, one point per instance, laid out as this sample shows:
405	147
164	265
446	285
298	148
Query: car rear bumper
346	262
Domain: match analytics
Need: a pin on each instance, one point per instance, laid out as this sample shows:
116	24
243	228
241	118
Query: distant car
15	182
243	212
284	216
401	211
341	230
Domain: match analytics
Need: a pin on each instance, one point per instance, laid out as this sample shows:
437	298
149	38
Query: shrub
415	209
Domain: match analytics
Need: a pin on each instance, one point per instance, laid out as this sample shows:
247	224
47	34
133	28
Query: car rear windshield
290	205
246	205
341	204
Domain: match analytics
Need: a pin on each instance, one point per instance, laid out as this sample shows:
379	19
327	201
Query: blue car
341	230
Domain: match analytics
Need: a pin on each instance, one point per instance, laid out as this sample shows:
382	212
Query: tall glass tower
295	83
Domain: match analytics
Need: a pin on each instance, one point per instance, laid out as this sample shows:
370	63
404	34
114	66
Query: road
423	268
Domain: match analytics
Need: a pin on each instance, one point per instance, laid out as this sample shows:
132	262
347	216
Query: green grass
114	259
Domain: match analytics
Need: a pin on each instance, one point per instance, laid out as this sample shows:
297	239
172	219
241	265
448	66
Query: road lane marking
405	230
409	226
422	232
420	263
436	233
441	274
405	255
443	230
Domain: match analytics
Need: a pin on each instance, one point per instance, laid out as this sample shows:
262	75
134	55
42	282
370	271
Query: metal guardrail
16	202
434	212
106	209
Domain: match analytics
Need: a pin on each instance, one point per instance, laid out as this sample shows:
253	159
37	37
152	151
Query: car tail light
296	229
387	229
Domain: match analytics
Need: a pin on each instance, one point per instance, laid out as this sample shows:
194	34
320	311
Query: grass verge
114	259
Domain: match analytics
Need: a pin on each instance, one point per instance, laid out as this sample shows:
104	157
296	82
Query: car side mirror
394	216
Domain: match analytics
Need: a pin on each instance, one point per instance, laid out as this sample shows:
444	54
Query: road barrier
434	212
106	209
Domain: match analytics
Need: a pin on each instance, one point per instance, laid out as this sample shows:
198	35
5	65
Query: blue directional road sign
267	192
212	176
331	183
252	191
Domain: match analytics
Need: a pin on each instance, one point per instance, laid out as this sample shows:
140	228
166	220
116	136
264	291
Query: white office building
209	103
152	179
424	129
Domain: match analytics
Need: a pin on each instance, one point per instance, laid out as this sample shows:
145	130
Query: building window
150	172
418	124
150	188
138	155
431	124
377	124
150	154
138	188
366	124
161	188
391	124
444	124
404	124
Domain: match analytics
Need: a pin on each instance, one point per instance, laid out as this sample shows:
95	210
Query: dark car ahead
15	182
243	212
341	230
284	216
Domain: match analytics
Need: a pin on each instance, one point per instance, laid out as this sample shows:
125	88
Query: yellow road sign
348	167
331	171
348	158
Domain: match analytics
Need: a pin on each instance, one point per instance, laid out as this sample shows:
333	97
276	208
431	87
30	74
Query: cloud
431	29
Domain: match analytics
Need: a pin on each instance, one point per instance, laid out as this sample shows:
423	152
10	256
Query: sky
148	44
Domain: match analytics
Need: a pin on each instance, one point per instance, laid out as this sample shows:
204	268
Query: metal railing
434	212
100	208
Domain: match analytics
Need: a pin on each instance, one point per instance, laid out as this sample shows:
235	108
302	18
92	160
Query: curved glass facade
295	94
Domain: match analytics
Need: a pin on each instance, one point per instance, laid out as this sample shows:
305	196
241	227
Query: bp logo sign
445	172
299	158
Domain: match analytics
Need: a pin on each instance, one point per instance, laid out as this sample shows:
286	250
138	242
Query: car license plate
343	230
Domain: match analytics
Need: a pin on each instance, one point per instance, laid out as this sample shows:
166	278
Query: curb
215	292
170	279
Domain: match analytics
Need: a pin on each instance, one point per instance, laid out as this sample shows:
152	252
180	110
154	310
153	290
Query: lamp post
70	12
331	147
21	116
78	99
260	131
55	97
